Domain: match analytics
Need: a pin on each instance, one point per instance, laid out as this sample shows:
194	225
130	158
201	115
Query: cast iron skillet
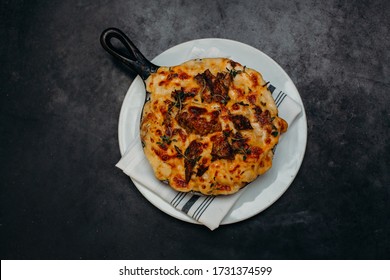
134	59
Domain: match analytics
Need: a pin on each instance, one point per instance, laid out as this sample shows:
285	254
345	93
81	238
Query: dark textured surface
62	197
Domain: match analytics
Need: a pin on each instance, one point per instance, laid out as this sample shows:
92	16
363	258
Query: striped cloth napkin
206	210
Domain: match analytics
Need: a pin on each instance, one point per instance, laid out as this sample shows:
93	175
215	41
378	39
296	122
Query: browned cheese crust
210	126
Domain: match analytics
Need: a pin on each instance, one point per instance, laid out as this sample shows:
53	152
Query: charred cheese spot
252	98
179	182
240	122
210	126
221	148
235	106
184	76
191	158
162	153
197	120
163	83
255	80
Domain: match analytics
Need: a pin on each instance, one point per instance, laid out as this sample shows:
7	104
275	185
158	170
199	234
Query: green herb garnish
165	139
233	72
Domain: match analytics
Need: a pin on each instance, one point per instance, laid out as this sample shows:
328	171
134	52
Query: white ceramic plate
265	190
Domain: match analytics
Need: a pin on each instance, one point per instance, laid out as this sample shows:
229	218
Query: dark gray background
61	94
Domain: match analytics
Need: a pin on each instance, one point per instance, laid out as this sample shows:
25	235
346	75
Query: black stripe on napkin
278	96
279	99
284	96
202	207
178	198
189	203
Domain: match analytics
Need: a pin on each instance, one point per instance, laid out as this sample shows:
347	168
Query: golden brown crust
210	126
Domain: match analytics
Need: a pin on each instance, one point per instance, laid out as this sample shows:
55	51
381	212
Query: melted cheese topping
210	126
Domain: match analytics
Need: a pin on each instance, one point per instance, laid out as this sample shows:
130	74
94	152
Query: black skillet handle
133	59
